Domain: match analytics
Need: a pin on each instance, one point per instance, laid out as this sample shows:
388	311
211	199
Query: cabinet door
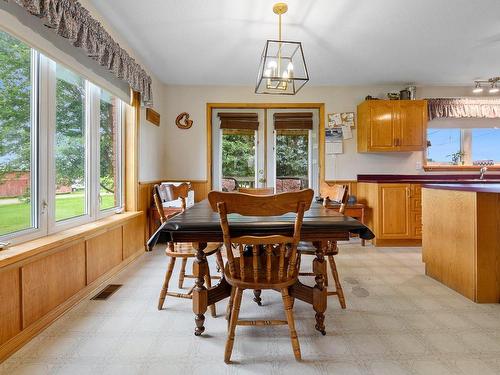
394	211
412	123
381	131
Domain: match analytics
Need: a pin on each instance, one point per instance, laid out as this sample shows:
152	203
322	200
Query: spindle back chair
184	251
339	195
274	268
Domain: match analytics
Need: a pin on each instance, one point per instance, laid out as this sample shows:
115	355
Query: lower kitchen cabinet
394	212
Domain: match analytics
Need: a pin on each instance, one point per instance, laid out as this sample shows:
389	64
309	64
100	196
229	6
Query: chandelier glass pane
282	69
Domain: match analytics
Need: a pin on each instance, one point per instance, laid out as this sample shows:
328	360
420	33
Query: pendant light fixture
282	69
492	82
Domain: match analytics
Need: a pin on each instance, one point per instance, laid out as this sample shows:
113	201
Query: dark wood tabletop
319	222
200	225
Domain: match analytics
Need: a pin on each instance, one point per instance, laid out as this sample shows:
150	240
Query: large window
17	131
70	142
60	145
463	146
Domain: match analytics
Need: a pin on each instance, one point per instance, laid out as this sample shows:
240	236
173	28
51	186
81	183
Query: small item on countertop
405	94
413	92
393	95
352	199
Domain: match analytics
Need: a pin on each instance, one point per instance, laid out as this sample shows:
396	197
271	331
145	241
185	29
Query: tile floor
398	321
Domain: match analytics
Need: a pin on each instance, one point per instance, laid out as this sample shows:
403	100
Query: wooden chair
181	250
339	197
257	191
276	268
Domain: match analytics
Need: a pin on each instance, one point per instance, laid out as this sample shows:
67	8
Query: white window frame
43	126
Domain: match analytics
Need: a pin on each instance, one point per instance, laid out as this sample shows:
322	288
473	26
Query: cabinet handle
408	194
396	142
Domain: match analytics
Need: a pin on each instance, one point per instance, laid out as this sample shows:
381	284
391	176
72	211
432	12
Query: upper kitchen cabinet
392	125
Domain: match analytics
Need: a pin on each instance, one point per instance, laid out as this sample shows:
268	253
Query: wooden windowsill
32	248
465	168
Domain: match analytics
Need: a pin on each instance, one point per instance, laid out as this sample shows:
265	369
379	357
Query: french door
258	147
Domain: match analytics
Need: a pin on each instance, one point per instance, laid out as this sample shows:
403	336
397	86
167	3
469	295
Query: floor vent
107	292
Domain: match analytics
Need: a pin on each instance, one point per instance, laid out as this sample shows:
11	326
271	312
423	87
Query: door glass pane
70	145
17	204
485	146
292	160
445	146
238	159
109	131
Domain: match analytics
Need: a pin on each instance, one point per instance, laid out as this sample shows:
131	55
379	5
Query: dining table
200	225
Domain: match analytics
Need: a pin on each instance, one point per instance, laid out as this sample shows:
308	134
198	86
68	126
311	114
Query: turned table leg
319	290
200	293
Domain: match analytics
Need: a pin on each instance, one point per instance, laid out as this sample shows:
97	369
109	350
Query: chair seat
261	282
307	248
186	249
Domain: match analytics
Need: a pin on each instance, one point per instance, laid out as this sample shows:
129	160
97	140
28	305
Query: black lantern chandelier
282	69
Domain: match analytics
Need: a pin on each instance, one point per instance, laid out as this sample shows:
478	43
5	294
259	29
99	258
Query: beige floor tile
388	367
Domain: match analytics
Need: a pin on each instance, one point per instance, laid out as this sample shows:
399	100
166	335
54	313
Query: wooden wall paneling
449	238
10	304
50	281
104	252
133	236
488	248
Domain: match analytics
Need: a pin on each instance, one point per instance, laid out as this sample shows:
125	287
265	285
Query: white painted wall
185	150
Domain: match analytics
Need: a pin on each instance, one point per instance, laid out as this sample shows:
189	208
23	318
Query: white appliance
177	202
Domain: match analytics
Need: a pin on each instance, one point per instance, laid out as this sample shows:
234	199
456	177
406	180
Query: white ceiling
345	42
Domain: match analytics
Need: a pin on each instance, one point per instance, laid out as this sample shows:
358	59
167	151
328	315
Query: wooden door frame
321	138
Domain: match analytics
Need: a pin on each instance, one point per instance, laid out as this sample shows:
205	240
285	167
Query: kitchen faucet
482	172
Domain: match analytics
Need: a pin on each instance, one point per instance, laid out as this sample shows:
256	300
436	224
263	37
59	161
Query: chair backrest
257	191
276	250
339	195
169	192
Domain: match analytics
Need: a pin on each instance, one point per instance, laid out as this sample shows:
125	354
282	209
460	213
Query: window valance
233	120
464	108
293	120
70	20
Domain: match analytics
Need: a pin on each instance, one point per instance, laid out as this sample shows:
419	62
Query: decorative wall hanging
183	122
152	116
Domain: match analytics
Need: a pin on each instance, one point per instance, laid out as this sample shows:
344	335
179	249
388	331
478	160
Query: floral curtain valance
464	108
72	21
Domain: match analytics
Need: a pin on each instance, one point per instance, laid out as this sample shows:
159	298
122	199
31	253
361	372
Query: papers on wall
334	148
336	120
333	141
346	132
347	118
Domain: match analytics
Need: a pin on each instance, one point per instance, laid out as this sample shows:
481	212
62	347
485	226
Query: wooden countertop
478	188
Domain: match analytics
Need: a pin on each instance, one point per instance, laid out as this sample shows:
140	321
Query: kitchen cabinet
392	125
394	212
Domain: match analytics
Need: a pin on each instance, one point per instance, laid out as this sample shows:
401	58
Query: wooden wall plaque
152	116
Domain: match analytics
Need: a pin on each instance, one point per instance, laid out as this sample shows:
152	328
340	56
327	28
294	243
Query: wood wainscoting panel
50	281
133	236
449	238
10	304
104	252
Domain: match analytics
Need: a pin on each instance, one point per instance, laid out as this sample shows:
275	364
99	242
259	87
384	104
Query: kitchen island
461	238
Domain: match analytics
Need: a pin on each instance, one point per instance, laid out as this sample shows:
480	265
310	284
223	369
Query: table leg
200	293
319	290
